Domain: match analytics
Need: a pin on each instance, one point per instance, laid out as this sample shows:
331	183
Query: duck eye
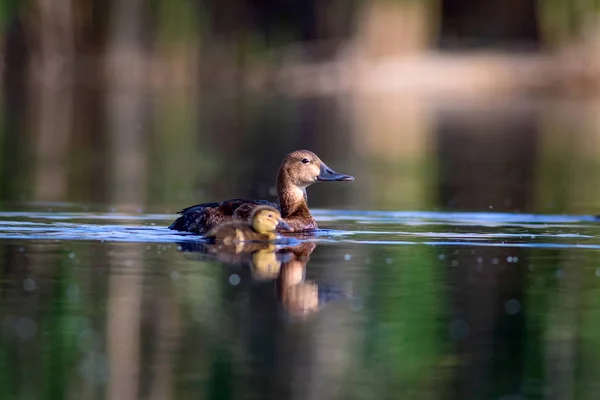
305	161
270	215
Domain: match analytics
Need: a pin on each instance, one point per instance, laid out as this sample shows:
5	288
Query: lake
462	263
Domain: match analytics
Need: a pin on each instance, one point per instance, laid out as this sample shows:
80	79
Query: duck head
266	219
302	168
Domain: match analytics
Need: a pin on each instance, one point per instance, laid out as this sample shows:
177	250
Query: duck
261	227
298	170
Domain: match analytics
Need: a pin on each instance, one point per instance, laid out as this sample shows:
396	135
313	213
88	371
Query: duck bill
326	174
284	226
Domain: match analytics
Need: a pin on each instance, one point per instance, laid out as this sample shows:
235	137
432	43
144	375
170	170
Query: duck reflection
268	262
298	297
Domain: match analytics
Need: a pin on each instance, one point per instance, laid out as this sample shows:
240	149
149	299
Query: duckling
299	170
264	221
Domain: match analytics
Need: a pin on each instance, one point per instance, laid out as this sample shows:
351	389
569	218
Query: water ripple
358	227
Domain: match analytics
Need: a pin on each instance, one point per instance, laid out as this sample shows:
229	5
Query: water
462	263
367	227
442	304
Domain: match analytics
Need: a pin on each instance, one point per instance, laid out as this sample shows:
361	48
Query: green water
462	263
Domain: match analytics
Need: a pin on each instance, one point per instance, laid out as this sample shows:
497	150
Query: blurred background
159	104
149	106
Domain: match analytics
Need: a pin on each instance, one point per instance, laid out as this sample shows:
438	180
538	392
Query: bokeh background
159	104
148	106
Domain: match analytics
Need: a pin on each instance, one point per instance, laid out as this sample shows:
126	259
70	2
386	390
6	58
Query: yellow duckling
265	220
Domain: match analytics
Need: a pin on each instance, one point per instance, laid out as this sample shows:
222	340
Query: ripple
358	227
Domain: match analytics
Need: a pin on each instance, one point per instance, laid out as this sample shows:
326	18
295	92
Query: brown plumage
261	227
299	170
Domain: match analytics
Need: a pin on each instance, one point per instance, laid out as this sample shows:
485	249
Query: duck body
298	170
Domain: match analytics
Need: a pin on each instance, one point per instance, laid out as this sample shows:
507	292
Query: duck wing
201	218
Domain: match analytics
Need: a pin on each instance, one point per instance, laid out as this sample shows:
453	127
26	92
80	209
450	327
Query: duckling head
266	220
302	168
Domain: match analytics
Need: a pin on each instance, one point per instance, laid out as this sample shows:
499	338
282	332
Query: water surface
462	263
432	304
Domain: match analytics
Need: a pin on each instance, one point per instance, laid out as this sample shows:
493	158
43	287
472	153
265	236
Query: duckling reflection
240	254
265	264
286	266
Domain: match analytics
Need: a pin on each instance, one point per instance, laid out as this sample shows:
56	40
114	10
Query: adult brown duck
299	170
